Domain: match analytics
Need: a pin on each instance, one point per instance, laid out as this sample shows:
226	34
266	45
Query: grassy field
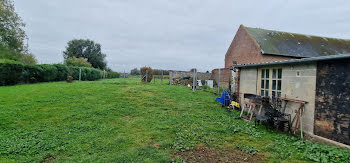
122	120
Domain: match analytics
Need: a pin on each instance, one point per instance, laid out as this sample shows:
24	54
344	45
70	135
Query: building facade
323	82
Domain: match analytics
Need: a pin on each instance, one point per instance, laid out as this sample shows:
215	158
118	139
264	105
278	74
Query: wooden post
146	76
301	123
162	78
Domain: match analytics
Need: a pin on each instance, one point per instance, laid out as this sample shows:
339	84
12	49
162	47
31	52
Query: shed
322	81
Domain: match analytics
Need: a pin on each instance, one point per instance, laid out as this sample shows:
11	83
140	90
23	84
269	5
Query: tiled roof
297	45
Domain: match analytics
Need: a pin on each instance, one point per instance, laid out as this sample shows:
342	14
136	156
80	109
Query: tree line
14	47
137	71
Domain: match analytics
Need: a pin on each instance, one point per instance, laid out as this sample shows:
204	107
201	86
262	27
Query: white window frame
271	78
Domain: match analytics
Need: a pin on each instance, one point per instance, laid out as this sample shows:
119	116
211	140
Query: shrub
146	73
79	62
49	73
28	59
74	72
10	72
6	53
95	74
112	75
62	72
86	73
32	74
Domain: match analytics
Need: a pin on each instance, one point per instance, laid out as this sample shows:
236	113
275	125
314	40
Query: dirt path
205	154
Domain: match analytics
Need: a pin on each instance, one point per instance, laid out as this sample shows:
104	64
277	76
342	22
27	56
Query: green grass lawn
122	120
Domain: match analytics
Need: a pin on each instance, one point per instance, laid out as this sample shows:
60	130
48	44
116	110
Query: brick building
254	45
296	67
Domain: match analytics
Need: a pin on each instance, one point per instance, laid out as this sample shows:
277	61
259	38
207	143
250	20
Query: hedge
32	74
62	72
112	75
10	72
13	72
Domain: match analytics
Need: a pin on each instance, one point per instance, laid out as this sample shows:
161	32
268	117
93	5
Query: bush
111	75
6	53
149	74
79	62
62	72
74	72
32	74
86	73
49	73
10	72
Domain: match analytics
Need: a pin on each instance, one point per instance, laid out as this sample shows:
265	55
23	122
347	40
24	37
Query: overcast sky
170	34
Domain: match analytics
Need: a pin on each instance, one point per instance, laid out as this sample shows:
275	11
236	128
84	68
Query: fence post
194	80
146	76
162	78
80	74
219	81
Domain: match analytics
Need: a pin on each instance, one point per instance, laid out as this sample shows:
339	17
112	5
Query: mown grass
122	120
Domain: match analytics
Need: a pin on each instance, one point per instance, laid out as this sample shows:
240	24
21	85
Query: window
271	82
265	82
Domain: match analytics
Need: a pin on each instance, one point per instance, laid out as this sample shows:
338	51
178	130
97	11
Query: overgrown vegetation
122	120
79	62
146	74
86	49
12	35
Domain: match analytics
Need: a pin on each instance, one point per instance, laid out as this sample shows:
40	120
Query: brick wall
244	49
225	77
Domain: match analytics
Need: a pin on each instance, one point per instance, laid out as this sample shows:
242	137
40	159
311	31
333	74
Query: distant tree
12	34
28	59
80	62
135	71
109	69
87	49
7	53
159	72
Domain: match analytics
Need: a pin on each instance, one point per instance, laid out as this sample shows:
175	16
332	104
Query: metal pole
219	82
80	74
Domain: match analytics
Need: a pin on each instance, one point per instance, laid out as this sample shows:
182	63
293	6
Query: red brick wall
244	49
225	77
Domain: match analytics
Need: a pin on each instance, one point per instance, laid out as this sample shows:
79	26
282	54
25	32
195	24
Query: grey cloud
170	34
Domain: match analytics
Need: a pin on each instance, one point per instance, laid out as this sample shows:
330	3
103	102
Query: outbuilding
322	81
